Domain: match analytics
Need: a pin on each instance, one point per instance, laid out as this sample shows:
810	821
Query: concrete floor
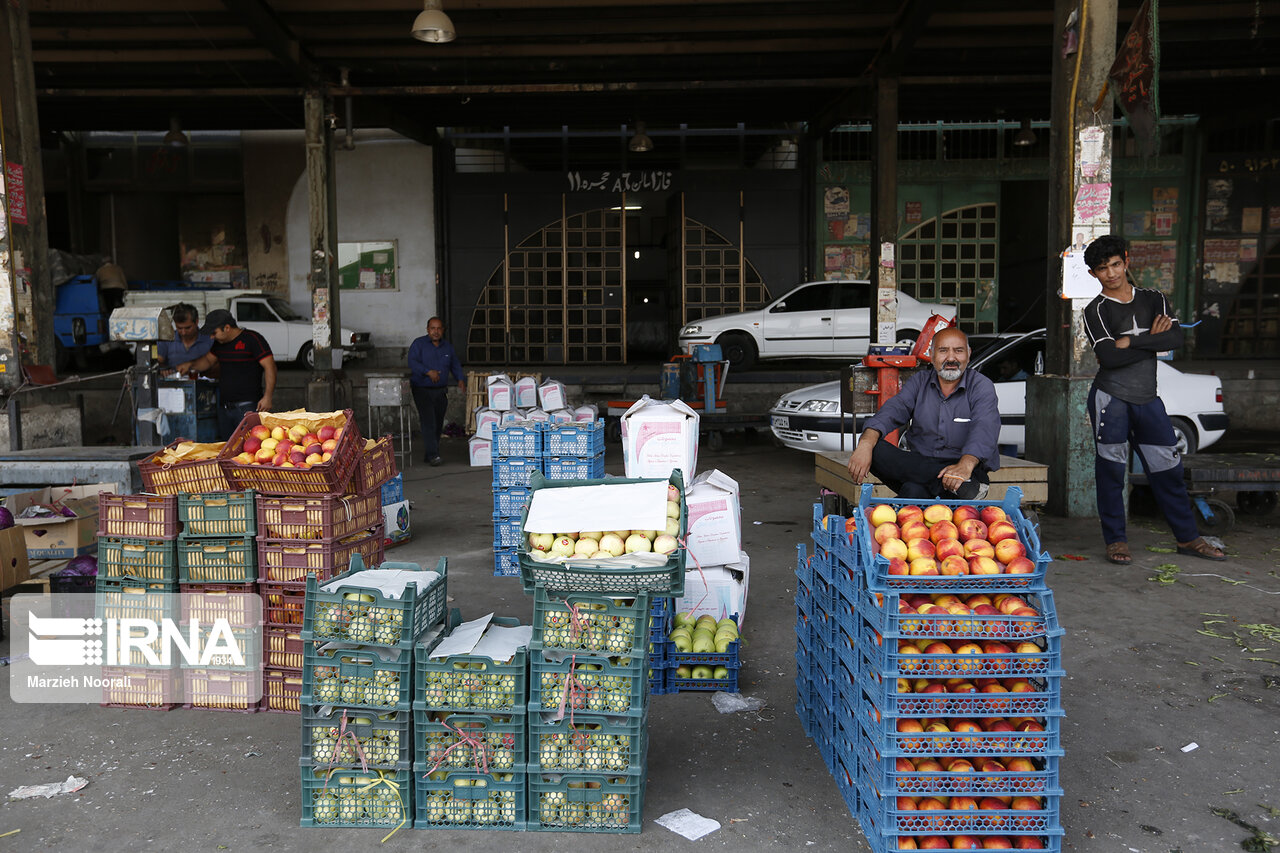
1142	683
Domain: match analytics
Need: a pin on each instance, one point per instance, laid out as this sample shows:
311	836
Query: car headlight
818	406
691	329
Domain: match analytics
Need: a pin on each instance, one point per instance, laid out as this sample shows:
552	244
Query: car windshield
284	309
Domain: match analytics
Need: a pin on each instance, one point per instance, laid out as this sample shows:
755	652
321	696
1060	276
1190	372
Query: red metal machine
887	367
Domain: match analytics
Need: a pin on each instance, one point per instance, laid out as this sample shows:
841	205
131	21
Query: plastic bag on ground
729	703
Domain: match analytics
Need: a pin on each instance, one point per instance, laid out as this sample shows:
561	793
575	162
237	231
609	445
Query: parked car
809	418
818	319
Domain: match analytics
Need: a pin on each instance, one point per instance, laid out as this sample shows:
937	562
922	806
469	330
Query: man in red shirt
248	369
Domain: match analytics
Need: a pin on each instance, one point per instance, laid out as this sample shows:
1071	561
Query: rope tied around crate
573	690
343	732
706	587
394	787
479	749
577	621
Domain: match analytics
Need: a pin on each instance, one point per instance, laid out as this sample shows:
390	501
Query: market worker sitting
248	369
954	429
188	343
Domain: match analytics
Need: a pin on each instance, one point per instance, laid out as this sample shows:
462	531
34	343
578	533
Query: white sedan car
819	319
809	418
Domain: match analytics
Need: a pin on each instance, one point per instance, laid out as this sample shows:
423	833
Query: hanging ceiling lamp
433	25
1026	136
175	138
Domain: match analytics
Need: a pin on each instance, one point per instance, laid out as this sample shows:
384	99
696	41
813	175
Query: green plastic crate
472	682
581	743
364	615
357	739
601	624
579	682
664	580
358	677
217	560
356	798
218	514
140	559
445	800
586	802
481	743
248	642
125	598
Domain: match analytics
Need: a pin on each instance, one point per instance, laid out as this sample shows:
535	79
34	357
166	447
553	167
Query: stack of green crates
357	693
138	579
218	572
469	736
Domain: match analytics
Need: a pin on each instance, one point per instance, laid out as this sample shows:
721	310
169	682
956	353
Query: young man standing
248	378
954	433
1127	326
431	362
188	343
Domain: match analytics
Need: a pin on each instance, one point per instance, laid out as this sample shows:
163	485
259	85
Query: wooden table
831	470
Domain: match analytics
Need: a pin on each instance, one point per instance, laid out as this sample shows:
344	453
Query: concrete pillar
322	277
26	296
1058	431
884	209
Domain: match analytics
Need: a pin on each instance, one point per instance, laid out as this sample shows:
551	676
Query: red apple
1007	550
965	726
923	566
996	842
251	444
963	513
915	529
1000	531
946	547
999	724
329	445
1027	842
995	647
260	432
943	530
990	514
960	765
979	548
325	433
917	548
314	459
1020	765
983	566
910	512
937	512
991	765
954	565
337	433
934	687
972	528
888	530
898	566
902	764
296	455
907	842
1029	726
964	687
928	765
244	459
1019	566
905	804
894	549
933	842
262	455
965	842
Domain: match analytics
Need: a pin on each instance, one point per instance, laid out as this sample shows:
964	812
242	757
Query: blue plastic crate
827	529
823	595
846	649
507	532
728	683
885	817
518	438
514	471
583	438
885	741
881	612
658	681
804	565
804	600
511	501
876	568
506	563
883	657
883	775
824	625
883	693
805	714
846	783
824	564
573	468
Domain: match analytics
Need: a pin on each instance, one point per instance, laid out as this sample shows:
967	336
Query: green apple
701	672
721	673
563	546
541	541
612	543
673	527
673	509
703	644
585	547
591	534
684	619
727	623
684	672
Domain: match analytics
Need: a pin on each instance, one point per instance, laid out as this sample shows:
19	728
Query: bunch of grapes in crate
949	725
358	635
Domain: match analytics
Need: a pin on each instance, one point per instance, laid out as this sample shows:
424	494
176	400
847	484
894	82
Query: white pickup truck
287	331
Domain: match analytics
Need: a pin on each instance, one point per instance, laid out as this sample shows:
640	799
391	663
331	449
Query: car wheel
307	356
907	337
739	350
1185	436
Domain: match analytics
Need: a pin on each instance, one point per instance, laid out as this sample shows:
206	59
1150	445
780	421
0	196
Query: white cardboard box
715	519
718	590
485	419
659	436
587	413
501	392
551	395
538	416
480	452
526	392
561	416
395	523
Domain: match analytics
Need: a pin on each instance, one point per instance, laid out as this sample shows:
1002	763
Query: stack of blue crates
562	451
661	613
948	724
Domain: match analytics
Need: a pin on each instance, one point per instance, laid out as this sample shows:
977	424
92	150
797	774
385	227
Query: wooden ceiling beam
462	50
169	34
274	36
72	56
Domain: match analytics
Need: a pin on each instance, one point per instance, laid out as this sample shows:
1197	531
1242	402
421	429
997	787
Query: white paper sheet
688	823
462	639
390	582
172	400
500	643
618	506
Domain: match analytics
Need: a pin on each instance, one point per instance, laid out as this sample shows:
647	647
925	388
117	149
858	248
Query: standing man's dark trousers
913	475
230	415
431	403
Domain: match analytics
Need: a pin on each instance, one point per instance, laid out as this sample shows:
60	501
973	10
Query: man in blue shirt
188	343
431	362
954	430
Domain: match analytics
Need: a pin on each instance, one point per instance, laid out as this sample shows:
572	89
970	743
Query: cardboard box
480	452
720	591
393	490
140	323
395	520
526	392
537	416
551	395
485	419
587	413
60	538
14	566
659	436
561	416
714	524
501	392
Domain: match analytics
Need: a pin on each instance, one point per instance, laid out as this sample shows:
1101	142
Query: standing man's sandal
1118	553
1202	549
